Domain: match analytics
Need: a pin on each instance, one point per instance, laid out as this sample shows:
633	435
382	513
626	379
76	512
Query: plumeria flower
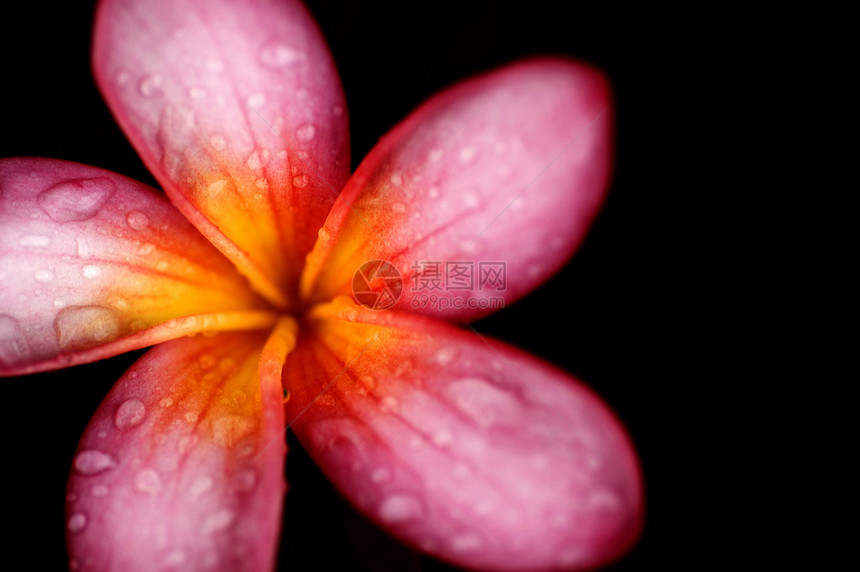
243	275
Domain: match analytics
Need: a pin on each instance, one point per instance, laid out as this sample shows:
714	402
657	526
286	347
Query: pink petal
237	109
462	446
502	173
181	466
93	264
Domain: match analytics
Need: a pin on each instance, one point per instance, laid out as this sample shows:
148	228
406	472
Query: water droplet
388	403
256	101
467	542
239	397
300	181
603	499
130	414
433	192
337	110
43	276
199	487
218	520
145	249
278	55
76	200
306	132
189	441
470	199
166	402
483	402
77	523
445	355
197	93
83	247
381	475
91	271
83	326
174	558
443	438
150	84
246	480
253	161
398	208
13	346
137	220
147	481
435	154
214	64
400	508
218	142
467	155
34	241
230	429
100	491
92	462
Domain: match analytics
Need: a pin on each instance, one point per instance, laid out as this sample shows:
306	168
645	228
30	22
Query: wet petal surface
181	468
462	446
237	110
91	262
482	193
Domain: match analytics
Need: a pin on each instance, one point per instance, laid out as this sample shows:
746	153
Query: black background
610	317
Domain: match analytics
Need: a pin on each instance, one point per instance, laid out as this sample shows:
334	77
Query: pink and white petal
482	193
462	446
93	264
181	468
238	111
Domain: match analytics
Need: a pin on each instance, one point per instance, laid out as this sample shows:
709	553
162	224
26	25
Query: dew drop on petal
174	558
197	93
77	523
467	542
130	414
256	100
34	241
400	508
149	85
485	404
381	475
148	481
218	520
246	480
92	462
199	487
300	182
278	55
253	161
91	271
43	276
76	200
137	220
100	491
306	132
467	155
218	142
82	326
13	346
